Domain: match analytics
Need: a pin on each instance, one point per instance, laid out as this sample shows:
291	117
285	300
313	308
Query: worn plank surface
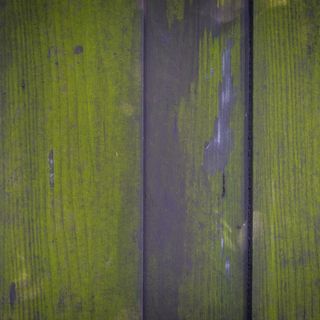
70	159
194	221
286	282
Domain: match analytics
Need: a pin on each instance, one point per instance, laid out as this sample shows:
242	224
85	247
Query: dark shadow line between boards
248	153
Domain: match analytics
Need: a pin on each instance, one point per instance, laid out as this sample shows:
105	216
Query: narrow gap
143	156
248	161
223	185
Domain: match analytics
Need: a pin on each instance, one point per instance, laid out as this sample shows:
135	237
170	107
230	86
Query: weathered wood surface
286	282
194	216
70	159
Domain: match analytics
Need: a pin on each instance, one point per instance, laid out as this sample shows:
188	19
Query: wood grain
70	159
286	279
194	220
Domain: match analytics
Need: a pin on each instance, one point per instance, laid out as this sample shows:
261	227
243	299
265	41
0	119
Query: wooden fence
159	159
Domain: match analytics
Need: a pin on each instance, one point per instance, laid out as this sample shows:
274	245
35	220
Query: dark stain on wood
51	169
78	49
167	78
12	294
52	52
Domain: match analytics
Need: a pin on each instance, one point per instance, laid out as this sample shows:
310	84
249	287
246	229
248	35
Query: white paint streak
218	149
219	132
227	265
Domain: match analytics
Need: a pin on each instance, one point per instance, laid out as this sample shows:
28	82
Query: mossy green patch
286	160
175	11
70	159
214	282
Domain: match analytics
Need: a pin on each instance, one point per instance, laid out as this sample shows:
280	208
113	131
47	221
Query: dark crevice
223	193
248	161
143	161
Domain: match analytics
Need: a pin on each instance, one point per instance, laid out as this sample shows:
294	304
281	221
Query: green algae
286	162
70	242
175	11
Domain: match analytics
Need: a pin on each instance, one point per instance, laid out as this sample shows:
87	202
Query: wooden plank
70	159
286	279
194	220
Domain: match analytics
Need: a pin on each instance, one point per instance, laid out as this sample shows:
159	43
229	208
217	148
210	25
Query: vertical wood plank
70	159
286	280
194	222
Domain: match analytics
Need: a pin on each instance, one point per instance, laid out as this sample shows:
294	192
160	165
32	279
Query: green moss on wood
70	168
175	11
286	161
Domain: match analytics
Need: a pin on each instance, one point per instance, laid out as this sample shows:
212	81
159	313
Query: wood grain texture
286	264
70	159
194	221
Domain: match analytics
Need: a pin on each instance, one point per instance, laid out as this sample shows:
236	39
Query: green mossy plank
70	159
286	256
194	192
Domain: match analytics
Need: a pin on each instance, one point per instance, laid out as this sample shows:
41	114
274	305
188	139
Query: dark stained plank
286	256
70	135
194	215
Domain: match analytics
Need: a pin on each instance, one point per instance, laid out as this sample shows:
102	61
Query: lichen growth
71	73
175	11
